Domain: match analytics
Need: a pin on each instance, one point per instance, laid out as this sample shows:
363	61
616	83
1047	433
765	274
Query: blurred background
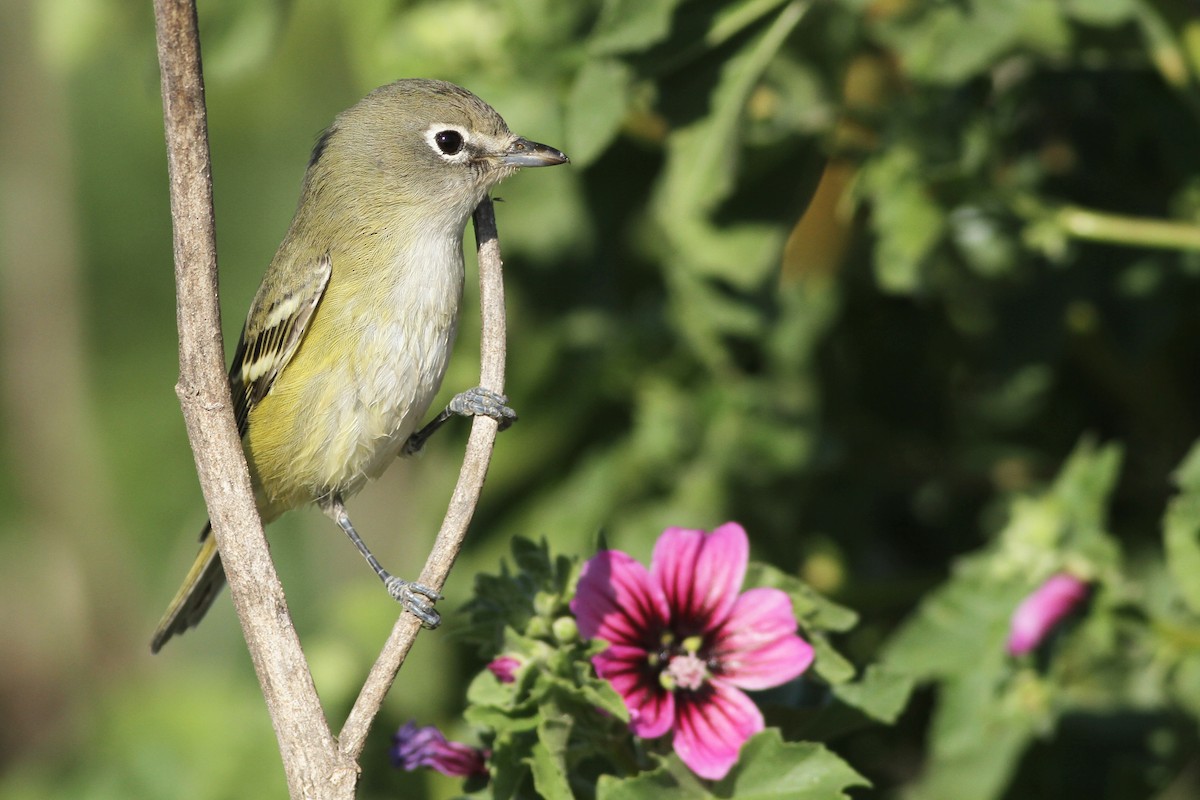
855	273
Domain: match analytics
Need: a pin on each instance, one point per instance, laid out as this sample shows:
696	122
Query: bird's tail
201	586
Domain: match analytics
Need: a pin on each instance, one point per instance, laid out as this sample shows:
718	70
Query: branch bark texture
313	764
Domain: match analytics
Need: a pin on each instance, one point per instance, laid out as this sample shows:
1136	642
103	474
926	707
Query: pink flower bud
504	668
1042	610
414	747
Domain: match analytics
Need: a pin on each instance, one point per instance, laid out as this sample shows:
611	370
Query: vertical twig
466	492
313	764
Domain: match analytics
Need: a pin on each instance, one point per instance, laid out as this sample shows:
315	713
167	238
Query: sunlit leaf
596	107
768	769
628	25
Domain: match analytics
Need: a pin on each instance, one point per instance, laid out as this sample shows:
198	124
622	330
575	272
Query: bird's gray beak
524	153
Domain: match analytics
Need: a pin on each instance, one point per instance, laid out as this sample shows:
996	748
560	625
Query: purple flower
1042	610
414	747
504	668
683	643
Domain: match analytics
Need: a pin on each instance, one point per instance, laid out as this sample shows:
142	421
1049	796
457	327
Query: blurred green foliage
859	274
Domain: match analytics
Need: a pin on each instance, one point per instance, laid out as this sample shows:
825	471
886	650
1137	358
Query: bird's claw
417	598
481	402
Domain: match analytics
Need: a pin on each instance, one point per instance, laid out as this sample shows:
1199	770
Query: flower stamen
687	671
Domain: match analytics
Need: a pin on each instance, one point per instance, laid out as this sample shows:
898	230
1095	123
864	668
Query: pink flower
683	643
414	747
1042	610
504	668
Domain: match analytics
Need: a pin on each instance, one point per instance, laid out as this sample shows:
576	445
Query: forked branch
316	764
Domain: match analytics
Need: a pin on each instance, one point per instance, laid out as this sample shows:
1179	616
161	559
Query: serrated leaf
769	768
486	689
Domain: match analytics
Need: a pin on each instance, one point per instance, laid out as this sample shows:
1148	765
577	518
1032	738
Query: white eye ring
448	141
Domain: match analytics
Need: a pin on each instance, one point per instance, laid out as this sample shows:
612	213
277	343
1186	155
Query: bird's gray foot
477	402
481	402
416	598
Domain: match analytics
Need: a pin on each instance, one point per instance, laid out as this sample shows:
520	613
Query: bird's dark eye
449	142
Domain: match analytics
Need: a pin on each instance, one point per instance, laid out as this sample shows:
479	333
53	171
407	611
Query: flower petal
651	707
757	647
701	574
711	727
617	601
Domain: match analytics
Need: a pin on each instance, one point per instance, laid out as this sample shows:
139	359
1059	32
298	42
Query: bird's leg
477	402
415	597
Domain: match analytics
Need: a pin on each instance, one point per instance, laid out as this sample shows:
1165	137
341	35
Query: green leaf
1186	683
548	759
829	663
880	693
702	157
951	43
1181	530
660	784
627	26
1105	13
977	737
959	627
599	694
906	220
769	768
596	107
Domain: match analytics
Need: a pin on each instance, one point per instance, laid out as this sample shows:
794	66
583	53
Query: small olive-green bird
348	336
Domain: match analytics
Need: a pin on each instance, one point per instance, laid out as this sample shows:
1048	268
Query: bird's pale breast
342	409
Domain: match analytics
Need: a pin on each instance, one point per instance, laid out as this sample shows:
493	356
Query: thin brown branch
313	765
466	492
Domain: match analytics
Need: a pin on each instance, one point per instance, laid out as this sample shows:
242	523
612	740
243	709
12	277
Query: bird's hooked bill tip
524	153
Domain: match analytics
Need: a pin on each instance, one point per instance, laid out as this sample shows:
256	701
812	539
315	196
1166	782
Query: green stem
1097	226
